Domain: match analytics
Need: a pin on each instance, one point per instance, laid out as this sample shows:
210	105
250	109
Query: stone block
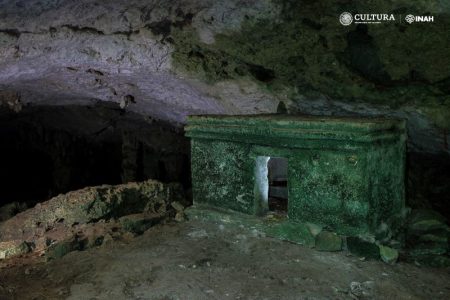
328	241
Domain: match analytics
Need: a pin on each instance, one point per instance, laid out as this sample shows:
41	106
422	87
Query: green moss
207	62
388	255
346	174
392	64
294	232
328	241
281	228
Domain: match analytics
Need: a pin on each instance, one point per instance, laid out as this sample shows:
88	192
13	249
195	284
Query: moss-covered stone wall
221	174
347	175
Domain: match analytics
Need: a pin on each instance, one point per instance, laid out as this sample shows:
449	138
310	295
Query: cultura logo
409	19
346	18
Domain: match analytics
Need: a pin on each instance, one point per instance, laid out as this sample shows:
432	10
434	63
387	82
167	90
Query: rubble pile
90	217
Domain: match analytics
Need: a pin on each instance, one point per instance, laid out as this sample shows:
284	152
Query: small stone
437	261
177	206
123	103
383	232
314	228
297	233
364	289
395	244
362	248
180	216
13	248
107	239
425	249
138	223
328	241
423	220
388	254
198	234
127	236
61	248
437	236
257	234
40	244
242	237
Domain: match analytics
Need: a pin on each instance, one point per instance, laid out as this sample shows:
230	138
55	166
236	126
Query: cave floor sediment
208	260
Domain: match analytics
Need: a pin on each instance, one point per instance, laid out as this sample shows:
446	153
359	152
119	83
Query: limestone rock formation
82	219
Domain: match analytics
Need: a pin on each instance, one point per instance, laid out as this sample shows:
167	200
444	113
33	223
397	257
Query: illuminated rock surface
169	59
81	219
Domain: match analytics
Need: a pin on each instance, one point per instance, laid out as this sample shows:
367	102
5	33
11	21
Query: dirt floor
204	260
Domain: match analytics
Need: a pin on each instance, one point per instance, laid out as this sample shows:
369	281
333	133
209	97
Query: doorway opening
271	183
278	189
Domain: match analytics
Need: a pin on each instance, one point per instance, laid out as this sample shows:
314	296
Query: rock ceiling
169	59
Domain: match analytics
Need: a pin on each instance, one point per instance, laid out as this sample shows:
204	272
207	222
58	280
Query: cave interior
102	182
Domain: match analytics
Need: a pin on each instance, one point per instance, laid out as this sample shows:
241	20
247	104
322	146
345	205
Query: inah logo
409	19
346	18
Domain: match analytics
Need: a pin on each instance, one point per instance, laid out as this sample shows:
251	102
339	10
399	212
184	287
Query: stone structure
343	173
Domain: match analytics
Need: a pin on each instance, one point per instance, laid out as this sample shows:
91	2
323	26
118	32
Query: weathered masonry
343	173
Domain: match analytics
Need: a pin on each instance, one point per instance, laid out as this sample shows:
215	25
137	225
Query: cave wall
52	161
169	59
50	150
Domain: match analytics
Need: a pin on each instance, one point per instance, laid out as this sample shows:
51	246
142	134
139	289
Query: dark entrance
277	178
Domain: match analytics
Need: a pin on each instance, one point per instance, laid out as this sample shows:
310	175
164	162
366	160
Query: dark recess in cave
47	150
362	55
26	172
261	73
428	181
